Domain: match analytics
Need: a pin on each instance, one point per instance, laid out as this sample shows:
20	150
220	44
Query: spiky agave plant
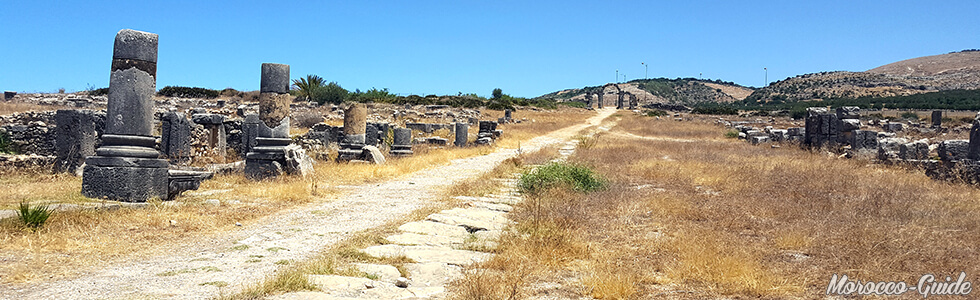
309	87
34	216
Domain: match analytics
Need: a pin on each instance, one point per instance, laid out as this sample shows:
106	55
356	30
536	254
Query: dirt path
245	256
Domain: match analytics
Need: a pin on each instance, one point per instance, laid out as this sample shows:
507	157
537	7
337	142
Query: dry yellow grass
74	241
736	219
10	107
697	216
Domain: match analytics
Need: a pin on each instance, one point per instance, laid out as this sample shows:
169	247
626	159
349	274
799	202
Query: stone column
633	102
937	118
600	99
461	134
127	167
274	96
402	142
266	135
75	139
619	100
507	115
588	100
175	141
355	125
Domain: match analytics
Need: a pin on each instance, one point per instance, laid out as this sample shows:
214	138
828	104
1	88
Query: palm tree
310	86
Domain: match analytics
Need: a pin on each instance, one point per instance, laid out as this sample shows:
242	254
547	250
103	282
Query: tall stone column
355	126
127	167
588	100
937	118
600	99
175	140
266	136
633	102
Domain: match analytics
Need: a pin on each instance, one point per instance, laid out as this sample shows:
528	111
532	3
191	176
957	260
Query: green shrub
910	115
575	104
5	145
731	134
99	92
577	177
656	113
188	92
33	216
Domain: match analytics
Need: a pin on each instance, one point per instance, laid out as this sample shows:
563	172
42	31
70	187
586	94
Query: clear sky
526	48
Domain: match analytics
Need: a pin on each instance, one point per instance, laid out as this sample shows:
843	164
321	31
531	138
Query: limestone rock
297	162
424	254
433	274
434	228
384	272
373	155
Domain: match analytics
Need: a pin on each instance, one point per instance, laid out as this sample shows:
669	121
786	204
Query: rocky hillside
663	90
958	70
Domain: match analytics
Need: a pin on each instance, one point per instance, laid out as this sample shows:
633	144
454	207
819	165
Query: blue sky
526	48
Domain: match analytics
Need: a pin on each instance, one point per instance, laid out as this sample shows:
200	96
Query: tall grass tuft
33	216
577	177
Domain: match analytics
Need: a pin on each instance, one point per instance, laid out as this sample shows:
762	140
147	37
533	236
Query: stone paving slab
415	239
473	219
424	254
434	228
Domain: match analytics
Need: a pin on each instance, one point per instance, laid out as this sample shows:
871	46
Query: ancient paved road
248	255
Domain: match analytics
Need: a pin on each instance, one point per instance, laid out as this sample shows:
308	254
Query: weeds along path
226	263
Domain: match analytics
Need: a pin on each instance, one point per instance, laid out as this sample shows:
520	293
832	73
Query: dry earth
245	256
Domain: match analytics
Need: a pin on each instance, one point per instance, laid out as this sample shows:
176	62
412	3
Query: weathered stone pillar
507	115
461	134
355	125
937	118
588	100
175	141
127	167
600	99
217	137
75	139
371	134
274	95
402	142
633	102
619	100
266	136
974	151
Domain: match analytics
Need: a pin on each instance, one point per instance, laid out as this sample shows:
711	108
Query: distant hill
663	90
952	71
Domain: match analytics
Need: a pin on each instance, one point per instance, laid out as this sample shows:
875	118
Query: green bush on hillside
188	92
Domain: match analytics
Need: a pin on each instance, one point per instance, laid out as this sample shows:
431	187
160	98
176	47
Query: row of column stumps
621	101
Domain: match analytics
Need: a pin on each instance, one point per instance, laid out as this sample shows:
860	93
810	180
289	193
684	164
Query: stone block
127	151
130	140
373	155
296	161
850	125
138	45
275	78
914	150
259	169
892	127
953	150
461	134
208	119
848	113
124	183
175	141
889	148
759	139
75	138
937	118
371	134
